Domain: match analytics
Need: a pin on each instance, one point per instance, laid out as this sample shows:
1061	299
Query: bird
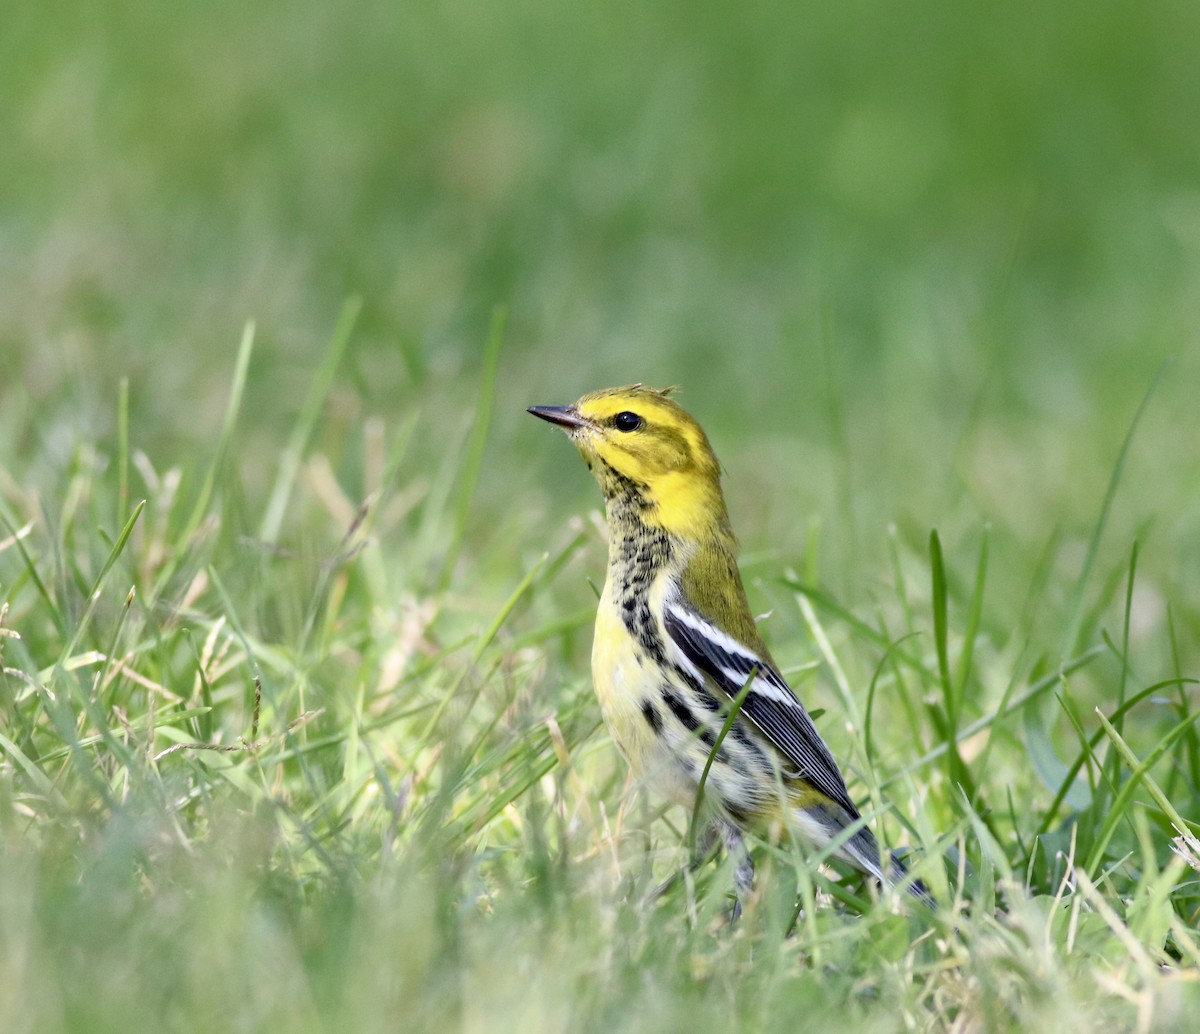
676	648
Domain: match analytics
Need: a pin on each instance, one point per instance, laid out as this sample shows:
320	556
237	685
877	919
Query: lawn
296	721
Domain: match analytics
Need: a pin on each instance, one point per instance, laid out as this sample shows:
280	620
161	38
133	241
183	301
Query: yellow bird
676	643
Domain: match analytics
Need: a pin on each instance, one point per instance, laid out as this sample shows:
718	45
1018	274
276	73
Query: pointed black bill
565	416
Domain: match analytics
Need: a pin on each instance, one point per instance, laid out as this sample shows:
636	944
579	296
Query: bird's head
640	441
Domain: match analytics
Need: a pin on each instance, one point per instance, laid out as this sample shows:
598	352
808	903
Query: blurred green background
909	263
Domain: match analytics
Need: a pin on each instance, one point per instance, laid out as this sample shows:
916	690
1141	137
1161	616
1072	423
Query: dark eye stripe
627	421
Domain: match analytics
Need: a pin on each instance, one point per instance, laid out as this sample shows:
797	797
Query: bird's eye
627	421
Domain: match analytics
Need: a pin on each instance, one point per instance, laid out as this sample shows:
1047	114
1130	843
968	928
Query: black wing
770	703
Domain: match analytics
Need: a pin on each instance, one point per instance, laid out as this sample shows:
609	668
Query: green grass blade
831	606
232	409
122	448
886	659
33	771
1191	770
956	769
1139	773
937	570
1032	694
514	598
476	443
93	596
1071	772
17	536
306	420
735	708
974	615
1074	627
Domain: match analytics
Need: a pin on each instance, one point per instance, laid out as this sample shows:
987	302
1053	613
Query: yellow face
637	438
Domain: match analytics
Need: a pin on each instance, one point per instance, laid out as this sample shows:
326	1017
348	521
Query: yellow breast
625	682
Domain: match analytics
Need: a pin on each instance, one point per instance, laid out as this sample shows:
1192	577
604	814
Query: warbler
676	647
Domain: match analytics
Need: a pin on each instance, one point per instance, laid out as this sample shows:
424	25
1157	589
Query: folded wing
770	705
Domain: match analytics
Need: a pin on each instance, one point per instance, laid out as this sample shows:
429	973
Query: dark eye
627	421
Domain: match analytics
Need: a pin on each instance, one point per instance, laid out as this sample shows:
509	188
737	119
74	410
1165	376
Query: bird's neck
647	529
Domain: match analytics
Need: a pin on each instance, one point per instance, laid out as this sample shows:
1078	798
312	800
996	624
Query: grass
296	727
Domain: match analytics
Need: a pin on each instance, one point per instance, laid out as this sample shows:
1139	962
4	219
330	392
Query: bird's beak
567	417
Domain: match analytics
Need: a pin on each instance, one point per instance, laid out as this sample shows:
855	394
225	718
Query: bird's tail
862	851
898	876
